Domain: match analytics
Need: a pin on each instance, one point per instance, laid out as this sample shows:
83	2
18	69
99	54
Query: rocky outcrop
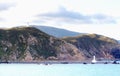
31	44
93	44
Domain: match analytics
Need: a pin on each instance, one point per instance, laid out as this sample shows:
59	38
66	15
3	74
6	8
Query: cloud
66	16
63	13
6	6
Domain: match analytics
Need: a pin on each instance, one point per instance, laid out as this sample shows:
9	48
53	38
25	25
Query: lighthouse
94	60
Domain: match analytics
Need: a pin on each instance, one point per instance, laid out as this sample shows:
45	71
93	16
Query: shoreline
63	62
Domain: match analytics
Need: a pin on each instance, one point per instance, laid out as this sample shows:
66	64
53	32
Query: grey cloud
68	16
6	6
63	13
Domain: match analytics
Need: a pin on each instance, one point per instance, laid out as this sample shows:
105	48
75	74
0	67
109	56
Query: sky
84	16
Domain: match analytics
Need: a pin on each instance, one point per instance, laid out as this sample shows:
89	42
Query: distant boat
94	60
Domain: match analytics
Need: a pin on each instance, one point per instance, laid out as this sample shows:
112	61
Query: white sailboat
94	60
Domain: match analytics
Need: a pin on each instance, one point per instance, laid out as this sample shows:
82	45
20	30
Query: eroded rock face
92	44
31	44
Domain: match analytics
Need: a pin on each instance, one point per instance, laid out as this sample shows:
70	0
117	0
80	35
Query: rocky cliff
31	44
28	44
98	45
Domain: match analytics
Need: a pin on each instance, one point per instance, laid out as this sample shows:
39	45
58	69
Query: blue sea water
60	70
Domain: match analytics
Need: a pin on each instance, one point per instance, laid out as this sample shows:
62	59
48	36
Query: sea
60	70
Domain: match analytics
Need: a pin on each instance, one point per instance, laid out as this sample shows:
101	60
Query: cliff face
31	44
92	44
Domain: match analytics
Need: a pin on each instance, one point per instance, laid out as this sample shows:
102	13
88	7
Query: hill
30	44
57	32
98	45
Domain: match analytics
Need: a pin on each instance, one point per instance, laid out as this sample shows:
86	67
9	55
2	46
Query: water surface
60	70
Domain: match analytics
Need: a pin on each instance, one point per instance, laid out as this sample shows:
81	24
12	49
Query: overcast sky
85	16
